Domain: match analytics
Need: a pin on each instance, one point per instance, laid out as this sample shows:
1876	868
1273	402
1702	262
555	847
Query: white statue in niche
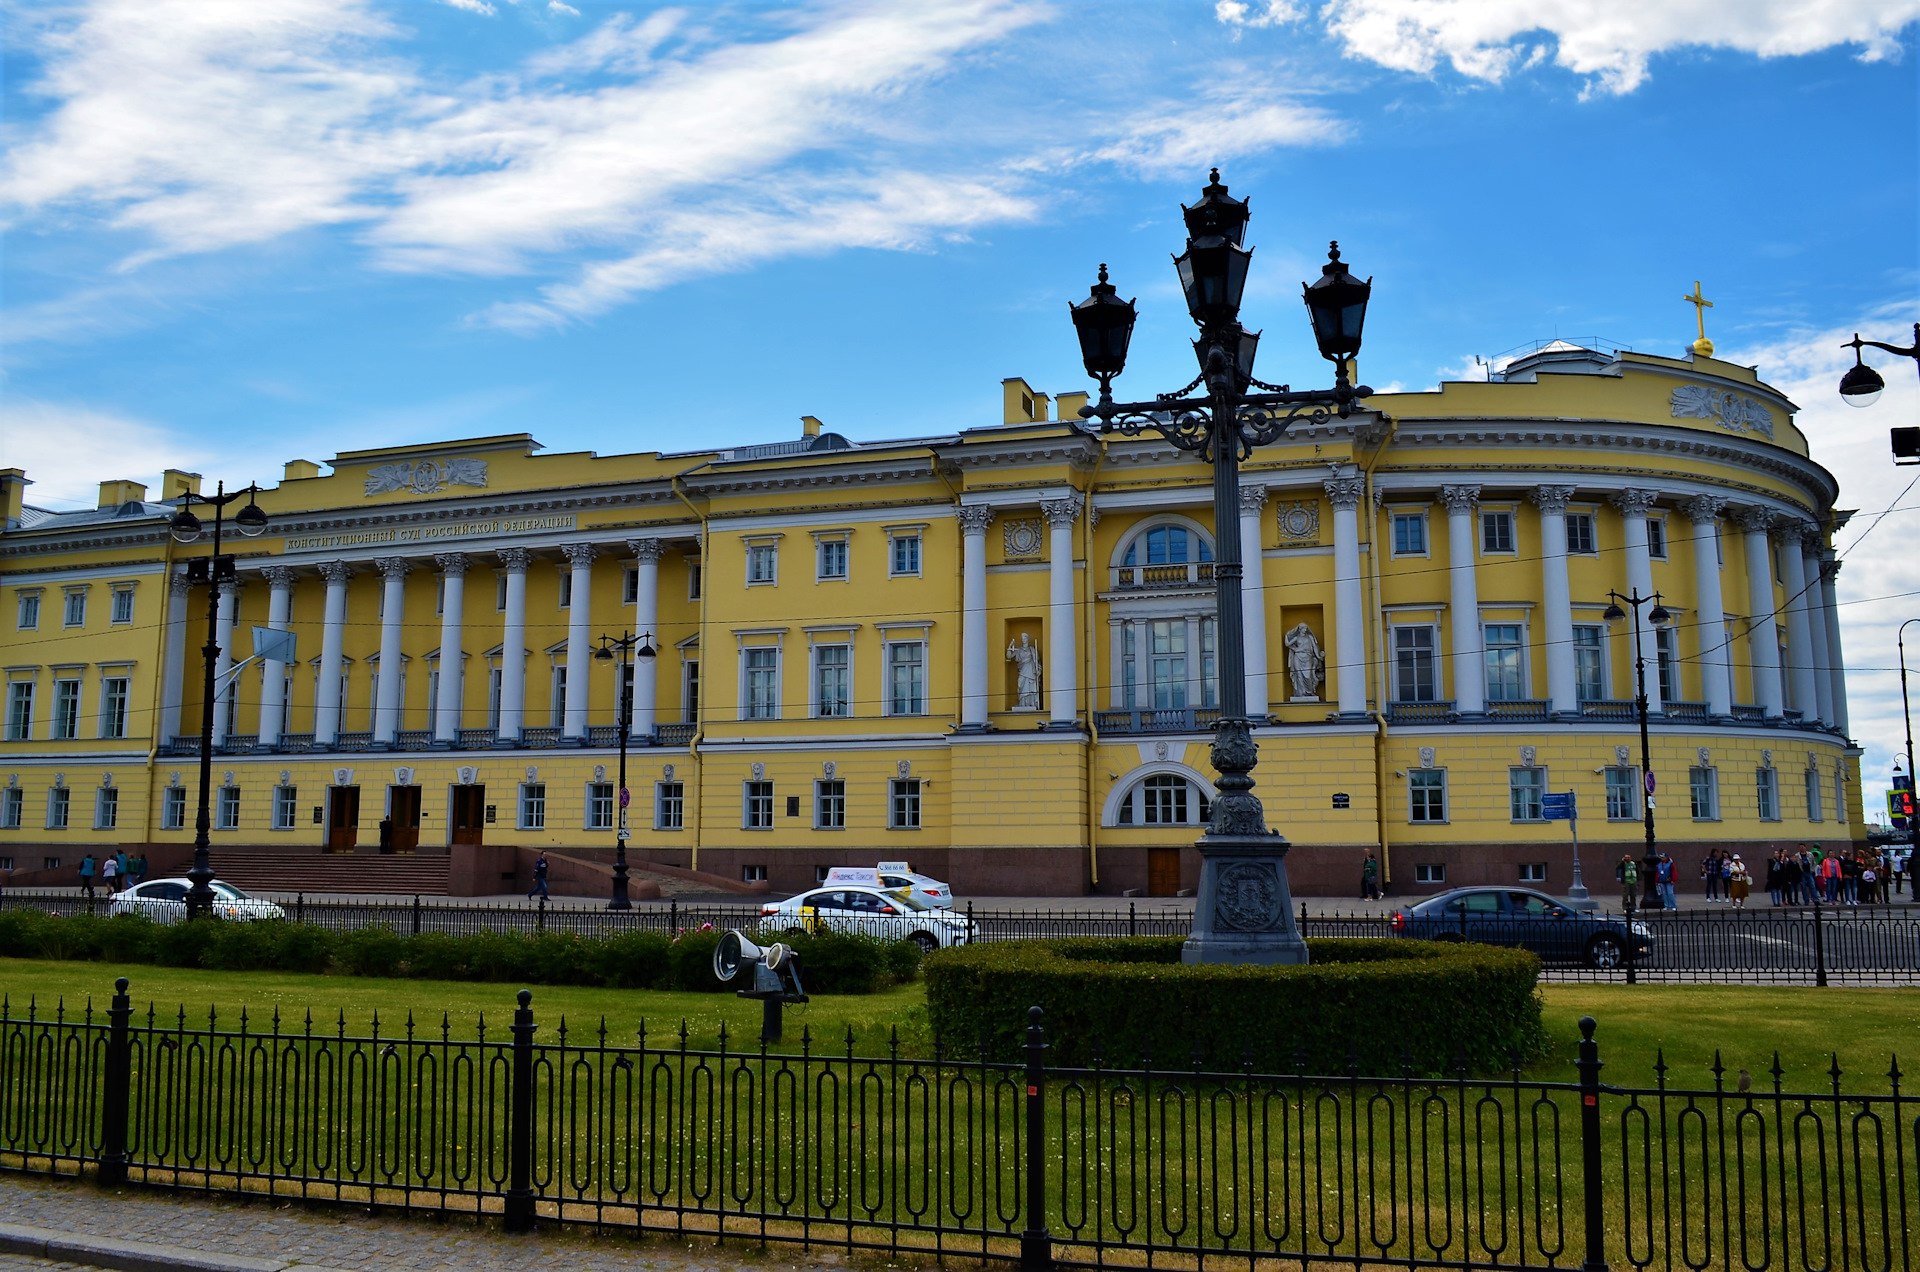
1025	657
1306	665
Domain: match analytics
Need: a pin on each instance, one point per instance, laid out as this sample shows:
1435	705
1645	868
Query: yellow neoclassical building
989	652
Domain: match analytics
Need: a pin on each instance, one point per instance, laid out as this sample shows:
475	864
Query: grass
1637	1023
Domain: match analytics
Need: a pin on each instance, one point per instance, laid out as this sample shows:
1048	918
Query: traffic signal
1900	807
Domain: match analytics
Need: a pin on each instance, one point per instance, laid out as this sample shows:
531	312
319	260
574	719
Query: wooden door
469	813
1163	872
343	818
404	810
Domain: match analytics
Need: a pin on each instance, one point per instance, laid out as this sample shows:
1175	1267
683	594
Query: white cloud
473	6
554	6
67	450
1237	118
1608	40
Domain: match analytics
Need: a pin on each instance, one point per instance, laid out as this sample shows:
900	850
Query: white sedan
890	915
165	901
924	888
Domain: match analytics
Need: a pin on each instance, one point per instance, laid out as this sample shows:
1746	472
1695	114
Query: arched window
1167	545
1165	799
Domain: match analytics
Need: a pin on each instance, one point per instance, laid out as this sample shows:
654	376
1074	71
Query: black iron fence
1002	1157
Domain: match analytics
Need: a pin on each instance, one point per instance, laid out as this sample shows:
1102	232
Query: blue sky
241	233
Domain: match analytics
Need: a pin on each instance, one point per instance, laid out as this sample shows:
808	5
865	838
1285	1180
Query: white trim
1131	779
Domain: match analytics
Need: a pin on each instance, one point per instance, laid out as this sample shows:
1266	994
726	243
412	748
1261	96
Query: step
330	872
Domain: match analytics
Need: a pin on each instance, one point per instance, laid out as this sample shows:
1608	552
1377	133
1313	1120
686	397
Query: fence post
519	1205
1133	928
299	907
1589	1066
1036	1244
540	917
119	1077
1819	945
416	914
673	915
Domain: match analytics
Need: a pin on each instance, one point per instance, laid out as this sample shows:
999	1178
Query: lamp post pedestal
1244	910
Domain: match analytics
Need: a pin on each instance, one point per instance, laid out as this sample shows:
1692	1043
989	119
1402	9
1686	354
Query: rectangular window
440	594
1840	797
1623	802
173	809
557	694
1209	666
1814	811
1506	679
1129	667
630	585
533	806
669	805
1427	795
1580	540
763	564
1430	872
833	559
113	707
1496	531
753	874
904	814
600	806
1413	665
122	605
1409	534
106	808
693	579
1766	785
905	558
13	807
229	814
832	677
1525	786
763	683
66	709
29	620
286	801
690	693
756	812
58	804
1589	663
830	805
20	711
500	593
1703	791
1657	538
566	589
1167	663
493	697
1533	872
1667	642
76	614
907	678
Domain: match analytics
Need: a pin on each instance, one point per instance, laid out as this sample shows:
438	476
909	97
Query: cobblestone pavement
26	1263
346	1238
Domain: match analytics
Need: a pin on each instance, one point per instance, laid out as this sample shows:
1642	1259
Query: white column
1816	602
1633	506
273	683
1116	679
974	520
1763	643
579	639
453	604
333	632
1349	624
1556	615
1253	601
646	622
1716	676
174	676
223	661
1063	645
393	612
1800	674
1830	590
1469	663
513	646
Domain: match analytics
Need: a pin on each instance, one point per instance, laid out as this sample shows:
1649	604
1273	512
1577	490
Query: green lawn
1746	1023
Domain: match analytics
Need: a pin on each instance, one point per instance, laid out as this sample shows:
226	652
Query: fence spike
1719	1072
1833	1071
1778	1073
1660	1067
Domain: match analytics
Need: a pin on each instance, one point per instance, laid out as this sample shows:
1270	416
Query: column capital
451	562
1459	498
1635	502
1813	540
179	584
335	571
1342	492
579	554
974	518
647	549
1253	499
280	577
515	558
1062	512
1755	519
393	567
1704	510
1551	500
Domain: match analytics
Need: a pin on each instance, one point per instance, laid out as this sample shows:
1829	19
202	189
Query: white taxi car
889	915
165	901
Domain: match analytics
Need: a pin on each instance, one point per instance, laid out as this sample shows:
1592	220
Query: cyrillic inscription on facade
429	534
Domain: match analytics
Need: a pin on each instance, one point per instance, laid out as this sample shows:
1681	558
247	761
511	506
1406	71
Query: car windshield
228	891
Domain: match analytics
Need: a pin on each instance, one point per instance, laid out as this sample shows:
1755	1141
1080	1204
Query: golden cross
1700	306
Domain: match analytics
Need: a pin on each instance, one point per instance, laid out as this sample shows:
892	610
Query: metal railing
1157	720
970	1152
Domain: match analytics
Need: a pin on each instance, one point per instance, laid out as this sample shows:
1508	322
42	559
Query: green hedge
1381	1003
831	962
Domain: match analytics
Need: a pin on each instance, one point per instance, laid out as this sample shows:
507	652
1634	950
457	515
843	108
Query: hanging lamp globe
1861	385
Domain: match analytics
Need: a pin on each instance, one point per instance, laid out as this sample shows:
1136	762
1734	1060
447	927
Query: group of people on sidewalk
1651	883
1807	876
114	871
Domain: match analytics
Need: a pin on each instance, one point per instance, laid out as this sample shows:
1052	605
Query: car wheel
1605	953
927	942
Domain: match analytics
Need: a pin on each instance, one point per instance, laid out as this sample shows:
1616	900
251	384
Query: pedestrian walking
86	875
110	873
539	876
140	868
1370	878
386	834
1900	859
1628	873
125	872
1664	873
1710	876
1742	883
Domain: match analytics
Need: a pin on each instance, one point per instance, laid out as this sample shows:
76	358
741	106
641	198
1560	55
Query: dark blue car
1527	919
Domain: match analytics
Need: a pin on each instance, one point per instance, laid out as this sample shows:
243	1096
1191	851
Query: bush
1125	1001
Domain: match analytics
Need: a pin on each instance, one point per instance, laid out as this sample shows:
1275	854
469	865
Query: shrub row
1118	1001
831	962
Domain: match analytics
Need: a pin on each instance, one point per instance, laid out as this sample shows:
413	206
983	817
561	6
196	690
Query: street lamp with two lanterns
1657	616
626	646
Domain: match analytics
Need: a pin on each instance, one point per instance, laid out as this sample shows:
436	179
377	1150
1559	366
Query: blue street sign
1559	806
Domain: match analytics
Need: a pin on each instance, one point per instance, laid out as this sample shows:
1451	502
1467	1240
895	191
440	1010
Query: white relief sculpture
426	476
1306	664
1729	410
1025	657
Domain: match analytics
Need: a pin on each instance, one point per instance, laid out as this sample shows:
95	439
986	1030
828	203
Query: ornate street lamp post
1913	818
216	571
1657	616
628	645
1244	911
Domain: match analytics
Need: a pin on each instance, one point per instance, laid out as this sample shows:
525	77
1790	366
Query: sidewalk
141	1230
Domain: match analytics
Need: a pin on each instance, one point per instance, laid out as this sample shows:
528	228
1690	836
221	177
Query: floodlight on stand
776	977
184	526
251	521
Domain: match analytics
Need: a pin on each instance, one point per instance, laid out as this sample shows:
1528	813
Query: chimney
13	496
114	494
1068	405
809	426
174	483
300	470
1022	404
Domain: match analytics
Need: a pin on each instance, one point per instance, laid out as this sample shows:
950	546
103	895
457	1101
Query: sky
239	232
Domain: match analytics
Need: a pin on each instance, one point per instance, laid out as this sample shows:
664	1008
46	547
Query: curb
132	1256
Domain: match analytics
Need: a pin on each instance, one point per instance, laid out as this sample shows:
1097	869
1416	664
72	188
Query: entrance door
343	818
1163	872
469	813
404	809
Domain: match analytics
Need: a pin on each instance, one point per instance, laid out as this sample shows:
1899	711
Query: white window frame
830	804
904	809
26	617
114	703
13	808
565	592
286	807
630	585
1521	661
1664	544
1533	872
748	708
63	723
833	547
599	811
1592	522
1518	791
897	538
530	806
752	792
1712	792
1671	665
1766	792
1441	785
74	598
1839	795
889	701
1430	872
106	808
669	805
59	808
173	808
695	578
1495	516
1393	532
226	814
1436	657
1815	796
690	688
1631	786
20	708
818	705
1605	666
755	546
121	597
500	591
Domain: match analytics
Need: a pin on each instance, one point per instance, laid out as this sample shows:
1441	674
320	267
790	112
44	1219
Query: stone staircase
321	872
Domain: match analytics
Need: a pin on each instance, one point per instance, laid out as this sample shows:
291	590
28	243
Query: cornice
711	484
91	539
290	524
